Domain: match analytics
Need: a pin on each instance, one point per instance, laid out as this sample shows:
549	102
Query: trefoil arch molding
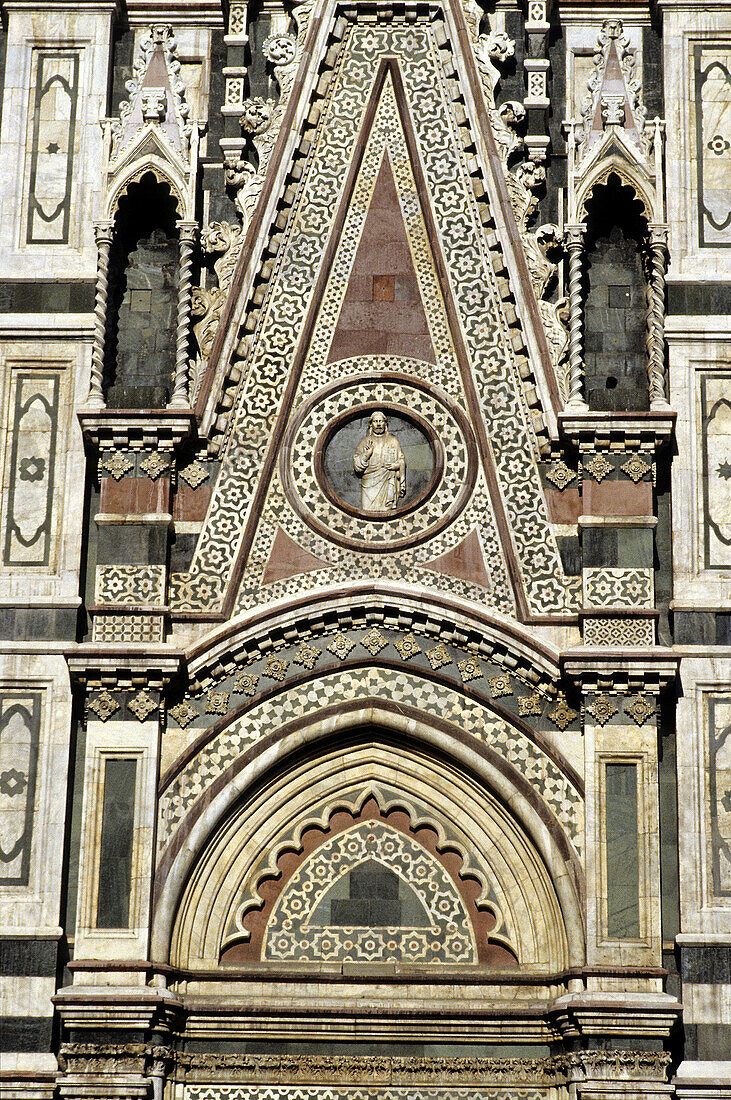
473	893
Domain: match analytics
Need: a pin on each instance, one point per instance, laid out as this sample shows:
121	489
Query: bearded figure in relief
380	464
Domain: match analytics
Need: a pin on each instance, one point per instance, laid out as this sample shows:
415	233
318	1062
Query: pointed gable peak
156	96
613	97
382	311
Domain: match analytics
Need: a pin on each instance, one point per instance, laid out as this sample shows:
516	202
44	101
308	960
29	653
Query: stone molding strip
448	619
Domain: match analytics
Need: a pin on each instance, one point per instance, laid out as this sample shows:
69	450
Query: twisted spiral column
103	233
574	236
180	398
657	250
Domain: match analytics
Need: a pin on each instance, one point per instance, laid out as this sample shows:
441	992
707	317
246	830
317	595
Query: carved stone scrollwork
224	239
241	176
523	183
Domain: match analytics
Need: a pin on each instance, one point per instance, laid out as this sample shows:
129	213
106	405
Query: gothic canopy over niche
389	298
376	852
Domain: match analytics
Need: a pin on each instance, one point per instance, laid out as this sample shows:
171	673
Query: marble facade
337	762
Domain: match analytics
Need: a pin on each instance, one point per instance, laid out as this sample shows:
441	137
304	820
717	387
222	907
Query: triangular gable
326	25
490	464
382	311
157	96
613	95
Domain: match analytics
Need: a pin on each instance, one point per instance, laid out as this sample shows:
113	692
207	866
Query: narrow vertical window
623	863
115	849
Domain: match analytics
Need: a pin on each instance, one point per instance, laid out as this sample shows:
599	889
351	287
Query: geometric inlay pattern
489	343
296	933
618	588
601	630
130	584
399	686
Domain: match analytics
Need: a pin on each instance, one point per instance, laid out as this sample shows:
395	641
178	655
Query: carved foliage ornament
611	104
153	99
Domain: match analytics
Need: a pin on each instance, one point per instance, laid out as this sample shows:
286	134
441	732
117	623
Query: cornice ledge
638	1014
119	663
136	429
634	668
608	431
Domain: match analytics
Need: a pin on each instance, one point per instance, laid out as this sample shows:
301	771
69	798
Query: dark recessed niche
338	444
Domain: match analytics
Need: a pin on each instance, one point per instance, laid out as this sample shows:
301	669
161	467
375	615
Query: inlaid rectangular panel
116	843
29	468
713	144
50	149
719	791
716	470
19	733
622	853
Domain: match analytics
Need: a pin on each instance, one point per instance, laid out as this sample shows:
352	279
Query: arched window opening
140	344
615	316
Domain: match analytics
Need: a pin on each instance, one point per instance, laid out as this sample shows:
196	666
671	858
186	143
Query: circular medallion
378	462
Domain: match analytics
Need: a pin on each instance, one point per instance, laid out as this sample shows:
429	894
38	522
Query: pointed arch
628	174
163	171
433	758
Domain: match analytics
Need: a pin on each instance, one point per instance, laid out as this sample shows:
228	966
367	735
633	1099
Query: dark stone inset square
365	913
383	288
620	297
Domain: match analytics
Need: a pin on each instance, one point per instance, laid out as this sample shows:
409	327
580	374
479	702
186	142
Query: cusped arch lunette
531	882
627	175
163	173
366	804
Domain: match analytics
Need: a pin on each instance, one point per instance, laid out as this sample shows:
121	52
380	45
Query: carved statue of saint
380	464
